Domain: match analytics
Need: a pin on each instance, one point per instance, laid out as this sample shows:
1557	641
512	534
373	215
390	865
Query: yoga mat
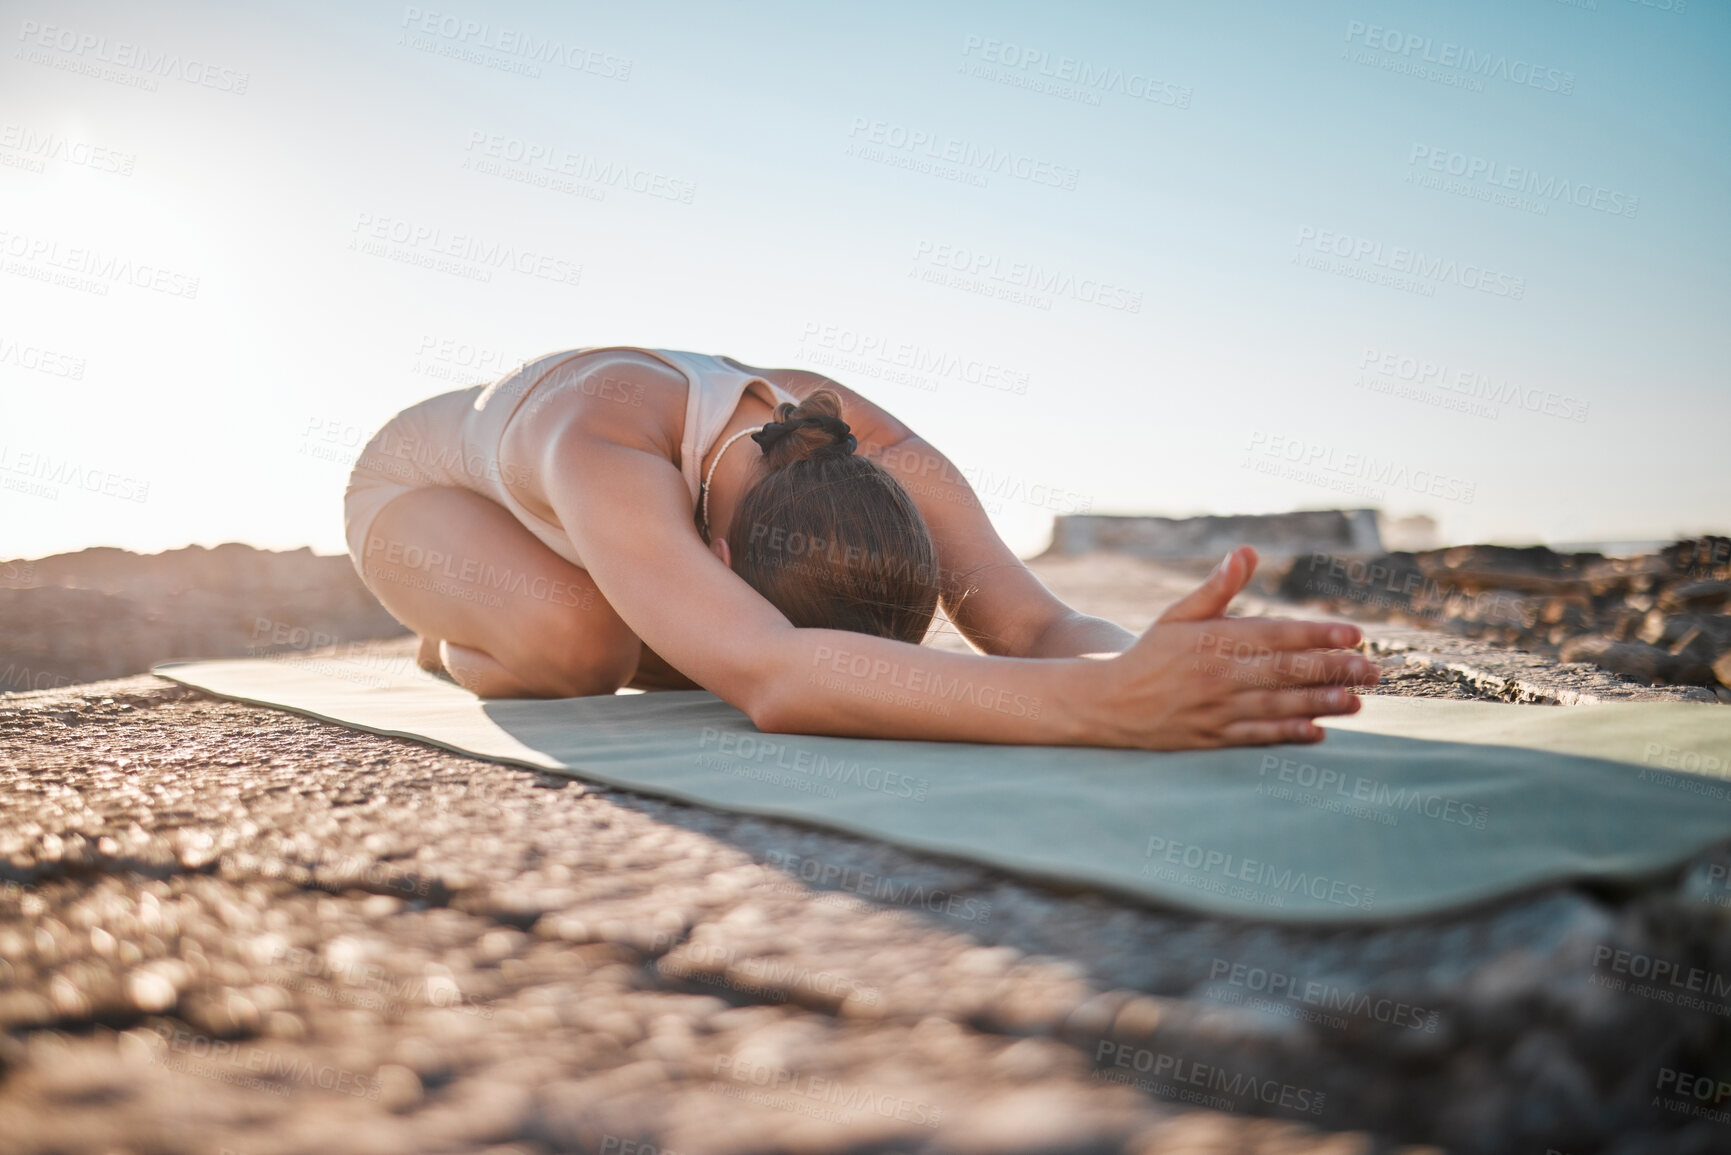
1411	807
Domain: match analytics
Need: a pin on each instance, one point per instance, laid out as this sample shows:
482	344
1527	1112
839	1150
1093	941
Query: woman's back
489	439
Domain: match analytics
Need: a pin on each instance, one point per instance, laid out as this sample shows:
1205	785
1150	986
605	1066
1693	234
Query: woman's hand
1225	682
1198	679
1210	599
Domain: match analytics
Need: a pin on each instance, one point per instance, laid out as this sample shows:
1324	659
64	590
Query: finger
1273	705
1228	637
1271	732
1210	599
1282	669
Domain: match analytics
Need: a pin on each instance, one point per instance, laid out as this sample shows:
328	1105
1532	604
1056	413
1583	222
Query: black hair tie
845	443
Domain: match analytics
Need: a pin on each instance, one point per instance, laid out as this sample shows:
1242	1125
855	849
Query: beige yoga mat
1411	807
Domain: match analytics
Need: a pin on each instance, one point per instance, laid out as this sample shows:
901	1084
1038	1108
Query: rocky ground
1428	657
231	929
1663	618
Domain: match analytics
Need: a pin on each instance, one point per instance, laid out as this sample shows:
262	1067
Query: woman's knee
571	659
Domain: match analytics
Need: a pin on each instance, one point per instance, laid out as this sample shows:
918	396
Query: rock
1636	660
1535	569
1386	582
1701	595
1667	631
1659	607
1704	557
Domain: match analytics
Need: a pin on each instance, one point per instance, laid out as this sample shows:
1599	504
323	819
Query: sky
1466	260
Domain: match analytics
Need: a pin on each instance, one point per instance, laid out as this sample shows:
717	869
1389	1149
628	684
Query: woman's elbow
771	711
776	704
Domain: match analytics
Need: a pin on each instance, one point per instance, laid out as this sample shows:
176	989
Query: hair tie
773	432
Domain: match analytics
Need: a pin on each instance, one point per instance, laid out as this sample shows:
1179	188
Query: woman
616	516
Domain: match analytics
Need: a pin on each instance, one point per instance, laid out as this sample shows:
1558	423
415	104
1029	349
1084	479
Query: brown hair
829	538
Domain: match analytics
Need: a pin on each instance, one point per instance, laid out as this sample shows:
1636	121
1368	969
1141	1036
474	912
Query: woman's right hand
1222	681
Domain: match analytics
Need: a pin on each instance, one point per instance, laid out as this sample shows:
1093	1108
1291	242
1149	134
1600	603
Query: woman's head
829	538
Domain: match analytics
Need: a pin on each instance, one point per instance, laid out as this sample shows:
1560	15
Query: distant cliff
106	613
1343	531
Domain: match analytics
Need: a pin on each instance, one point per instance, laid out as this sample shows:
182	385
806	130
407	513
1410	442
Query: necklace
703	490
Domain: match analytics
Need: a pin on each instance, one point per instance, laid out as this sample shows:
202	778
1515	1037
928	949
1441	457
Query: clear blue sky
1471	260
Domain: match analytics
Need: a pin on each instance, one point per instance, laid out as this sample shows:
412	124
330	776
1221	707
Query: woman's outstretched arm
989	593
1180	685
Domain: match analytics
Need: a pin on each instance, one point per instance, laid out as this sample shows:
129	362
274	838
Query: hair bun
812	429
841	436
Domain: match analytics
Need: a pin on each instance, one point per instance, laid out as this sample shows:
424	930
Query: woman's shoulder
871	422
622	392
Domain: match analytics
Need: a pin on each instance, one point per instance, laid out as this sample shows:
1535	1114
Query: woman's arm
993	598
990	594
612	485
